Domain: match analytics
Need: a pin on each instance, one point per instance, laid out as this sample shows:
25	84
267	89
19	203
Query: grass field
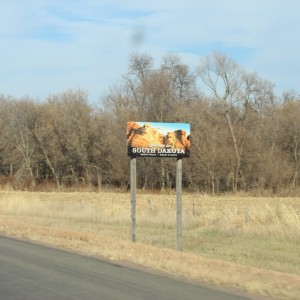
245	242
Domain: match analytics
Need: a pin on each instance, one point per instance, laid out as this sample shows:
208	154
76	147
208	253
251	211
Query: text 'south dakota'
159	151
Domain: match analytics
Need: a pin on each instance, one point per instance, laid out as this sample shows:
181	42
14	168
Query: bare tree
242	98
223	77
289	119
19	120
183	81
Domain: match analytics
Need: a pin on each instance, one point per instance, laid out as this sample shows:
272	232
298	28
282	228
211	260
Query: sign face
153	139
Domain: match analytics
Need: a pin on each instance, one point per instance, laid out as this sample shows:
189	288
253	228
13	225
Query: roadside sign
154	139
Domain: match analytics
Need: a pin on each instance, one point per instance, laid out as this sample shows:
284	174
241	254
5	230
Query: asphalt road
33	272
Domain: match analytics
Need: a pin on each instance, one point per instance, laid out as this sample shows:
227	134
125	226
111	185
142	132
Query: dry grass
250	243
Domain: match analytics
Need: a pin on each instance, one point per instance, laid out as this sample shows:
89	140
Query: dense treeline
243	136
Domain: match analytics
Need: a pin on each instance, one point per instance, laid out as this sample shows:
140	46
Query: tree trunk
236	151
99	180
74	176
48	162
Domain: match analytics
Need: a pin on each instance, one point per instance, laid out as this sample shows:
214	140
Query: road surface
30	271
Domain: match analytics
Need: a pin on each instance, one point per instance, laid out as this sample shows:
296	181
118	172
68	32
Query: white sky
50	46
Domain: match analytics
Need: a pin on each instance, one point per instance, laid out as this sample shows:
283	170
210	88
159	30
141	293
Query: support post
179	204
133	197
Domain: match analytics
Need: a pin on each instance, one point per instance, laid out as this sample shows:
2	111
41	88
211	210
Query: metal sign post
179	204
133	197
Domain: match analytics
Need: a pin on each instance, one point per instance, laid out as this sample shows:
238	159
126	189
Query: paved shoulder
34	272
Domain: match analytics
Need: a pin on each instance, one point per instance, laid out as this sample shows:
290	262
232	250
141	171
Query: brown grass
244	242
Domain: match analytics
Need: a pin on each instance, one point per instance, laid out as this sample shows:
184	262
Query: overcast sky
50	46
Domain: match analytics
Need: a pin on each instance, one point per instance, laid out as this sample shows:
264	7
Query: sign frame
157	139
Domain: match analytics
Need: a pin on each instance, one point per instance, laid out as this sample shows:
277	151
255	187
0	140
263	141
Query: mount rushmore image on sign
153	139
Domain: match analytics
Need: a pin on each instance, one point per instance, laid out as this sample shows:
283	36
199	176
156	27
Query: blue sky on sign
50	46
164	128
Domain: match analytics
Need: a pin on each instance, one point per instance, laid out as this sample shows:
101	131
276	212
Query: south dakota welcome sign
154	139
